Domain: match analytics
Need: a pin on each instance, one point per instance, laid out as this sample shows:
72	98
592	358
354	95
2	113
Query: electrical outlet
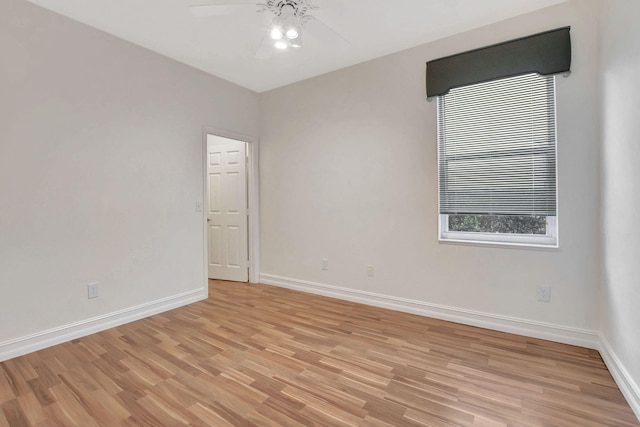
370	271
544	293
325	264
93	290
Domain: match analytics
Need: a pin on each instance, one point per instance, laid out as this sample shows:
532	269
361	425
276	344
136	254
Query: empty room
319	213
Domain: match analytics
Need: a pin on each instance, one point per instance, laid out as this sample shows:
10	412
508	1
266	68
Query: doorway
228	233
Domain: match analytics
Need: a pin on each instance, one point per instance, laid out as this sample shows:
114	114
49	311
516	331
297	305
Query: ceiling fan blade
218	9
326	34
266	48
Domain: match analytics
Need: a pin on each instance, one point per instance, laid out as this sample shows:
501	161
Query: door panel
234	191
227	209
215	242
233	249
215	192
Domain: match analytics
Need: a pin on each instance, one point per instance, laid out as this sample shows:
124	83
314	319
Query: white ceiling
225	45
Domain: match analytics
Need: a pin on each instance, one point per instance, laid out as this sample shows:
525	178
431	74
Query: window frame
548	240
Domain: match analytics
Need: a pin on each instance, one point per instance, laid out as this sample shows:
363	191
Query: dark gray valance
544	53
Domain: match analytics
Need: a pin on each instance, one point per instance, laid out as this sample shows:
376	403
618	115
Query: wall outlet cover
371	271
93	290
544	293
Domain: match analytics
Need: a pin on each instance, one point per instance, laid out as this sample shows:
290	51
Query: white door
227	209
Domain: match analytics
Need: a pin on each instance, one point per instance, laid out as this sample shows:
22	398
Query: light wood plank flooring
256	355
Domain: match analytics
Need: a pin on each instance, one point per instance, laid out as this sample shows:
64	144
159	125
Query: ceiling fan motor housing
298	8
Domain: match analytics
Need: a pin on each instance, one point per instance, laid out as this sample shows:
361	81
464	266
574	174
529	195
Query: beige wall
621	186
349	173
100	170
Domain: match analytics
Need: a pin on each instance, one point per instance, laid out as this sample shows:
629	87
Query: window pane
506	224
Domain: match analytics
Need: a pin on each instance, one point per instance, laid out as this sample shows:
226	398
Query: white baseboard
30	343
629	388
529	328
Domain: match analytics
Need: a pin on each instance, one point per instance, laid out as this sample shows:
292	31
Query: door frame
253	200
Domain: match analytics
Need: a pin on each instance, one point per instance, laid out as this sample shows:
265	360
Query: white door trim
253	192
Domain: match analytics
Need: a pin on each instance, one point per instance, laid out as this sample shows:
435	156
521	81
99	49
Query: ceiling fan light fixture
297	42
292	33
278	26
291	25
276	33
281	44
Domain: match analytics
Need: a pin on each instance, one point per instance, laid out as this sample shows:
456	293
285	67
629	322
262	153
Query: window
497	162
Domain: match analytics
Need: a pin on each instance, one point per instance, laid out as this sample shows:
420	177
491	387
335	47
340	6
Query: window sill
490	240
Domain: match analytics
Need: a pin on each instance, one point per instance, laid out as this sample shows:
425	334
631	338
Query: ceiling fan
290	18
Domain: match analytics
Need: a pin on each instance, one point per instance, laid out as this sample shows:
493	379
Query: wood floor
264	356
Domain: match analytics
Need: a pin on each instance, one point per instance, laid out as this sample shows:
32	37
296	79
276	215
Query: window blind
497	147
